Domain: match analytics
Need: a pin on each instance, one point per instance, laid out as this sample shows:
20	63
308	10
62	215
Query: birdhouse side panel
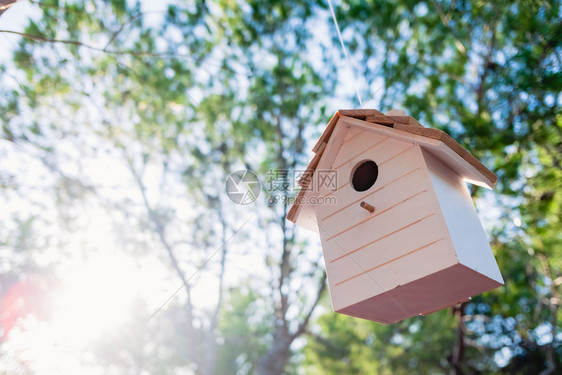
467	234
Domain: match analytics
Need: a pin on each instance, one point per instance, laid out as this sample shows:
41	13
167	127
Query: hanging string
345	51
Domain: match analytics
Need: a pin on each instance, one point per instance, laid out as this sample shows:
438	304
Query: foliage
167	104
353	346
489	74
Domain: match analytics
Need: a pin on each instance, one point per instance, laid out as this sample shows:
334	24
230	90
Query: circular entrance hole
364	175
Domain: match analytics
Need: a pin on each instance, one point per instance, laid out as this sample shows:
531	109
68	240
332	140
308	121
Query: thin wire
216	123
345	51
198	269
375	92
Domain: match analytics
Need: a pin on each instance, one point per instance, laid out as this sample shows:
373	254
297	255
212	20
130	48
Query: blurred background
120	252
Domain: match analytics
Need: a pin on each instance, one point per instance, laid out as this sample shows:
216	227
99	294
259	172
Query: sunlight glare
97	297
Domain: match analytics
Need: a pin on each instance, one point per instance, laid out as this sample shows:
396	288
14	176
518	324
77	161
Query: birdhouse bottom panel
423	296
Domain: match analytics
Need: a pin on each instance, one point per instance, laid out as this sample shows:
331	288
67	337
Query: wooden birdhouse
399	231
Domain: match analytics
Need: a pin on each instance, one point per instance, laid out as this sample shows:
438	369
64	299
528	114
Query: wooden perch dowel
367	206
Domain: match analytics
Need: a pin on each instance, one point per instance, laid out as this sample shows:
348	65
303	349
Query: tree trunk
276	359
457	355
553	303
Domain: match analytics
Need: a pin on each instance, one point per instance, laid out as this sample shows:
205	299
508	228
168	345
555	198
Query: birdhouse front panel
368	253
399	231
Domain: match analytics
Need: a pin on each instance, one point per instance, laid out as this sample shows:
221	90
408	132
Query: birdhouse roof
401	127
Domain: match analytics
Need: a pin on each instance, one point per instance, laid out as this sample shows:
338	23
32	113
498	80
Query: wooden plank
382	198
292	214
391	248
387	224
405	270
453	145
381	120
356	147
381	152
307	175
391	120
381	212
391	132
327	133
432	142
395	165
328	153
359	113
303	214
388	262
334	145
408	120
353	133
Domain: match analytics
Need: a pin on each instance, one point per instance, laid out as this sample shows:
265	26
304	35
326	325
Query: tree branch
224	240
457	355
445	20
121	28
159	228
553	303
39	38
304	324
15	79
